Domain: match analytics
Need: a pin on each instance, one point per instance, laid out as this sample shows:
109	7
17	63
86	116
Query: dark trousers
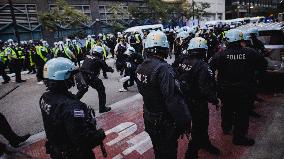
200	121
16	65
235	112
130	72
6	130
3	73
39	73
97	84
199	130
164	139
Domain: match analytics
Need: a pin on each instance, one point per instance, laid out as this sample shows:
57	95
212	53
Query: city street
124	126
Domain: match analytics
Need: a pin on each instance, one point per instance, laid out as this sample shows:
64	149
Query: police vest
78	49
137	38
66	51
92	43
149	86
55	51
39	50
12	53
3	57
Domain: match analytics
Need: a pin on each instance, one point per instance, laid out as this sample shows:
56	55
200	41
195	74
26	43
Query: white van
141	29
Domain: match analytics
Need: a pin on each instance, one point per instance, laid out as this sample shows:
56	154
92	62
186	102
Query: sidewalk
126	137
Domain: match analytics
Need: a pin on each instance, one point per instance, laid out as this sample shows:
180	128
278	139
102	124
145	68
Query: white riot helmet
10	42
61	45
68	42
74	42
55	44
97	51
183	35
45	44
130	50
157	44
89	37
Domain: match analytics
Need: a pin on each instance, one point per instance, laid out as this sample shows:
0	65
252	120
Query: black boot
15	143
243	141
105	109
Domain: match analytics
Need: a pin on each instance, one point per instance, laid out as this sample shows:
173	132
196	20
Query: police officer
166	116
182	41
15	60
41	58
236	66
119	50
199	88
134	59
3	64
90	69
69	131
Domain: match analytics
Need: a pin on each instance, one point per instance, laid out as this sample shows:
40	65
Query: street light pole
14	21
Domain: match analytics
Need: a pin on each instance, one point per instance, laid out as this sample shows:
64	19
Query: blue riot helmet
58	73
197	46
157	44
234	35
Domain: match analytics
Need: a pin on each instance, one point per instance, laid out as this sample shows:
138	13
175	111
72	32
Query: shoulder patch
79	113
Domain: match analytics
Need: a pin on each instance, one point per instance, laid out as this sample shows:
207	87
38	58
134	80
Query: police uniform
68	133
90	70
198	86
165	113
134	60
40	60
236	67
3	64
70	127
16	61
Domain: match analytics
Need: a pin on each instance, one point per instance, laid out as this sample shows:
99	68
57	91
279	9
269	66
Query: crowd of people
214	65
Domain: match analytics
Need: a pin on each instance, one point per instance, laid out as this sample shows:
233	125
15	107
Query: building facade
250	8
27	16
216	10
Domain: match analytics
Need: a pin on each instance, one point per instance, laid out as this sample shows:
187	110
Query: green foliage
160	10
63	15
156	10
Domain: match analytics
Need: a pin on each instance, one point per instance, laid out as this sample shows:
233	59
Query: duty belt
157	118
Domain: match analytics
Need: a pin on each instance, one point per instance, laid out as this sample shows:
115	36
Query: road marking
141	143
123	130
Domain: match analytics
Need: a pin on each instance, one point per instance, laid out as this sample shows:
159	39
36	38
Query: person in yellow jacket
90	43
105	50
41	57
3	64
15	58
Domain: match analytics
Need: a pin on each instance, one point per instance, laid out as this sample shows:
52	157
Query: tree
63	16
156	10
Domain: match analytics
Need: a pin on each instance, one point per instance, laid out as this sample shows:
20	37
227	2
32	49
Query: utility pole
14	21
